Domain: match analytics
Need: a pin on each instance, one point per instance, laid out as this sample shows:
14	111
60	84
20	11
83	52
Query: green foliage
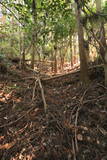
104	10
55	21
6	49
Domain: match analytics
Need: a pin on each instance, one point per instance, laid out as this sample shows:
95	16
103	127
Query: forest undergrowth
74	127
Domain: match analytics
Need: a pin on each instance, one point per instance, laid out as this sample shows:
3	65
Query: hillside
74	127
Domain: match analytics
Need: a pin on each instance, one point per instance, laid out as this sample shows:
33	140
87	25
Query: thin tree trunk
55	60
23	51
52	62
23	59
102	45
83	60
70	45
34	34
103	50
33	56
20	47
62	64
74	49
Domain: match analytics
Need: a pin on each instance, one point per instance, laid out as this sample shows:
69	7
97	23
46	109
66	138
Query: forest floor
74	128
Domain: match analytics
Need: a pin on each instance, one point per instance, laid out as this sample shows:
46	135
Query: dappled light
53	80
76	116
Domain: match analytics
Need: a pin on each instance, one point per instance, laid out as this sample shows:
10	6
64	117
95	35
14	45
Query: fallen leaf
7	145
79	137
1	137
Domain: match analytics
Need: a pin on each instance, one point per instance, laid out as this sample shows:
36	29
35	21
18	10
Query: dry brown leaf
1	137
7	145
79	137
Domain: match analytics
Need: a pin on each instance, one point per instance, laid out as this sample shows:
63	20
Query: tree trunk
102	45
86	47
23	59
83	60
34	34
103	50
55	59
23	51
70	45
52	62
74	48
33	56
62	63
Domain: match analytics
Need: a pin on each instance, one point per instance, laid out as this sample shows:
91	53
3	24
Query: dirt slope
75	127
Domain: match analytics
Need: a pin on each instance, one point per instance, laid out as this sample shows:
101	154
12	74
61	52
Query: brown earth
74	128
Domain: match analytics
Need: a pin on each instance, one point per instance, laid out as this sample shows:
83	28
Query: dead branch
102	86
13	122
43	96
33	95
76	121
37	79
73	147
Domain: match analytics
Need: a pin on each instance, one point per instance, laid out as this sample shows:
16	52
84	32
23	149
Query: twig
82	98
102	86
37	77
94	99
33	95
76	121
73	148
43	96
103	131
8	124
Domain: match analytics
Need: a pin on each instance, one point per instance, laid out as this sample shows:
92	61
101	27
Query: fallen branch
37	79
73	148
42	93
34	90
76	121
13	122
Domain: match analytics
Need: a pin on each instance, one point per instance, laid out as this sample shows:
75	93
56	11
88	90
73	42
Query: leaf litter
74	127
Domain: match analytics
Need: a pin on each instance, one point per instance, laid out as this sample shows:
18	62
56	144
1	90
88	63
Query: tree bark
34	34
74	48
70	45
33	55
86	47
102	45
55	59
83	60
103	50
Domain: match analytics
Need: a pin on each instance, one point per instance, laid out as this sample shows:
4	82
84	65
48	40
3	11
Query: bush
7	50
